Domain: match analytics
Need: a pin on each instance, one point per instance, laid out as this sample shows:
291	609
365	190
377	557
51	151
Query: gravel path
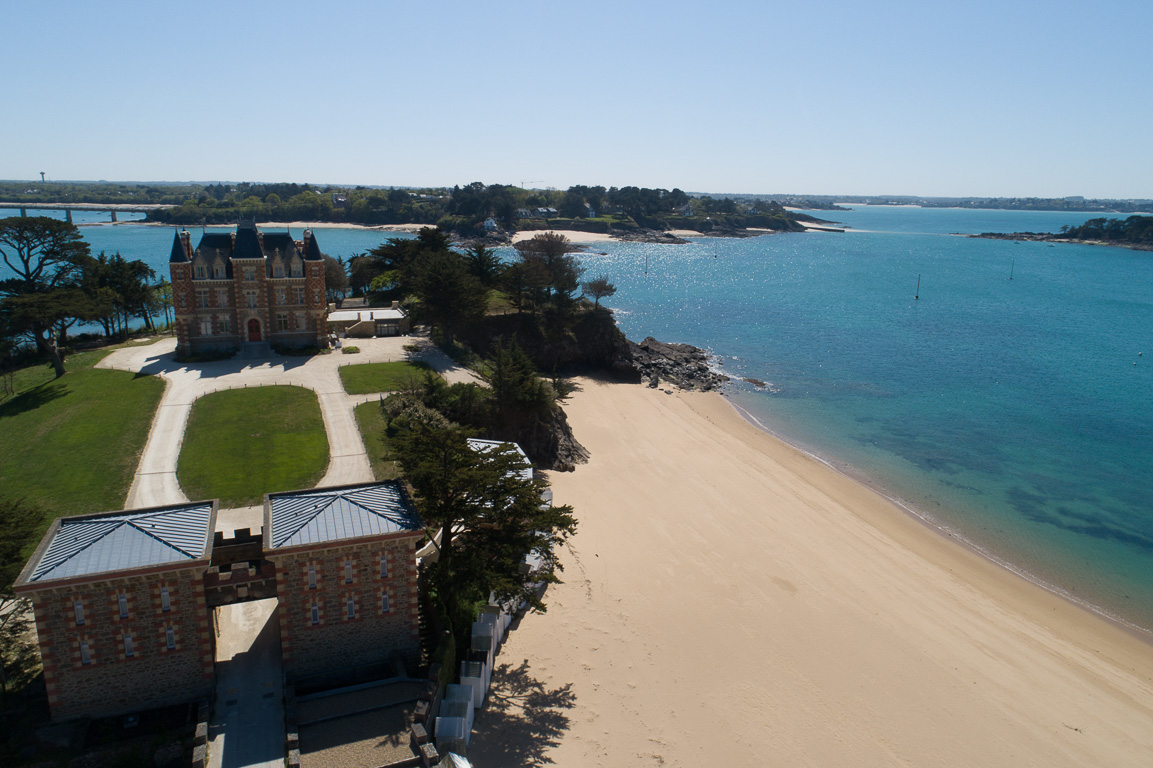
155	482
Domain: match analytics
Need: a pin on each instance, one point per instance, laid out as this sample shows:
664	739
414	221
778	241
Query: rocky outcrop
684	365
560	451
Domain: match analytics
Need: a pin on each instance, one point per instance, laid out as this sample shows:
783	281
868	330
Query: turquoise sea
1016	413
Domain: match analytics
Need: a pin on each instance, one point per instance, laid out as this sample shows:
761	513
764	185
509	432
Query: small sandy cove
731	601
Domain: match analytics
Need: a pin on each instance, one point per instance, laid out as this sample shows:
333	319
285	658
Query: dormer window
218	271
296	270
278	270
200	274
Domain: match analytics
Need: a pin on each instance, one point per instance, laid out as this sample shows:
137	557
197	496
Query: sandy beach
732	601
572	234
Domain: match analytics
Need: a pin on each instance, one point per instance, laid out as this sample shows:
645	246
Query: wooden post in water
917	295
1011	268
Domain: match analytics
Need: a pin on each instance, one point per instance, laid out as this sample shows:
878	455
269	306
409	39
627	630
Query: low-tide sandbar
730	600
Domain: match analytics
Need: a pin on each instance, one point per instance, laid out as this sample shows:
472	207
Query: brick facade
335	640
92	670
122	600
247	286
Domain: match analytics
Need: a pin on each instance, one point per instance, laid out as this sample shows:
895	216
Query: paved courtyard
155	482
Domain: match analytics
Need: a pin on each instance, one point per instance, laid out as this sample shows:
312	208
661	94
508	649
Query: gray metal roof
87	546
335	514
484	446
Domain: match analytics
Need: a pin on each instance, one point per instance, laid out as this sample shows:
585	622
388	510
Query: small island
1135	232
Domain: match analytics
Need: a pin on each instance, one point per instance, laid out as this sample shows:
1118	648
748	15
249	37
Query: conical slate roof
91	545
311	249
334	514
178	253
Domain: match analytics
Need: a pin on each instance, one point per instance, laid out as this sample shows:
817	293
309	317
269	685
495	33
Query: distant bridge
68	208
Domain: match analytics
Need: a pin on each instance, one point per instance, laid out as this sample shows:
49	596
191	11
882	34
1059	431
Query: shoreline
719	569
288	225
1143	634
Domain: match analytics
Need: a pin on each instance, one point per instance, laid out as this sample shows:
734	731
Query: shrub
349	350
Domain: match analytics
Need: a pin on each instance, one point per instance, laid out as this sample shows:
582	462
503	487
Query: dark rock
681	364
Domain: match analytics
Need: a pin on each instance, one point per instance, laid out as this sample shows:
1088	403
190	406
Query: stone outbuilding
120	612
345	560
367	322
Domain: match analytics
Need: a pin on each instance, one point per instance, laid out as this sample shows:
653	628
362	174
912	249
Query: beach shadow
521	721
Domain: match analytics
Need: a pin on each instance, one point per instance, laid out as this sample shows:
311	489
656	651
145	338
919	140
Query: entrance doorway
254	330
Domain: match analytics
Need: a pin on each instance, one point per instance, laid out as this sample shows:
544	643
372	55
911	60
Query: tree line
57	283
1135	229
483	511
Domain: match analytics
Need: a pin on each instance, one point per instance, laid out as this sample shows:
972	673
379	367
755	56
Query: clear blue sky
1007	98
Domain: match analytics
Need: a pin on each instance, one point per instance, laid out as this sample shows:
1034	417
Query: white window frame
206	326
385	607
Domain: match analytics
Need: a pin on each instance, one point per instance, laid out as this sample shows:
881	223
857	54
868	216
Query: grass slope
381	377
71	445
370	421
243	443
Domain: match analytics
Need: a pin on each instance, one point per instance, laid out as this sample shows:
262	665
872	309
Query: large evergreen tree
45	255
483	513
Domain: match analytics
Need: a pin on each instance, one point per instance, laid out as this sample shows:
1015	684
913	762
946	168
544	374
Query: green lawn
381	377
371	423
243	443
71	445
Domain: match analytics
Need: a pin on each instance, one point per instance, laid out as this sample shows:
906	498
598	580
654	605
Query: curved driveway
155	483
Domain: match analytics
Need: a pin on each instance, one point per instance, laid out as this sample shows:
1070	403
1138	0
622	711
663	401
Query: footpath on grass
155	482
